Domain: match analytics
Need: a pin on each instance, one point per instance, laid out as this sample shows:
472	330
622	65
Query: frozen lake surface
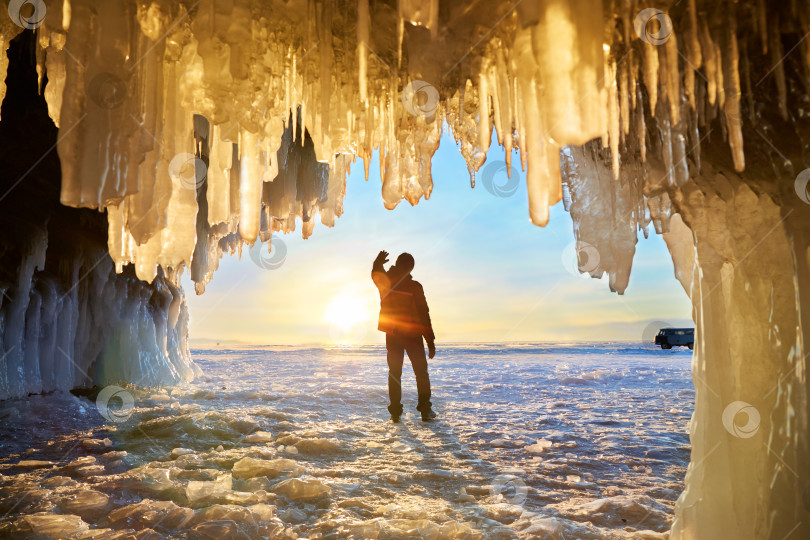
532	441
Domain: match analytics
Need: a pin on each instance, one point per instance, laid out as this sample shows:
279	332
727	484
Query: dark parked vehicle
669	337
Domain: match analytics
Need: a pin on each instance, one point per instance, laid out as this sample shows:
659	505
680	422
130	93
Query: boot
396	412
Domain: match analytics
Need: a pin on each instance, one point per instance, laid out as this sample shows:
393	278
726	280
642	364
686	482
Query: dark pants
397	347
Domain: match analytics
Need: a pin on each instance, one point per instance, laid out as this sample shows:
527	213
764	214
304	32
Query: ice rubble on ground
181	121
440	488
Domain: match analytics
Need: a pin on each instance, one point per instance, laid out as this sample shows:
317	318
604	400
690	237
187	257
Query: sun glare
348	317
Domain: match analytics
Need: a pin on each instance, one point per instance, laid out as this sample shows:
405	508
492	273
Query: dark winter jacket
403	307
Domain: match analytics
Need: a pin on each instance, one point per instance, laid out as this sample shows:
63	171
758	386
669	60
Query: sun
348	316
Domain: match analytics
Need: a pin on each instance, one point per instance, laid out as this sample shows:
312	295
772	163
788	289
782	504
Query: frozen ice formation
202	126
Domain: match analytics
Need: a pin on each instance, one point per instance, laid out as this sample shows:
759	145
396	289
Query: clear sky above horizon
488	273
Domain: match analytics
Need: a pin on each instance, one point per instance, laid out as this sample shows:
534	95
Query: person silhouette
405	319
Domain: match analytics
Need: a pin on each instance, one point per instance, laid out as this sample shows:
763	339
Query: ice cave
144	139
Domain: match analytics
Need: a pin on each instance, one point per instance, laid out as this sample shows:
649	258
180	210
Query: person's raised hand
431	349
382	257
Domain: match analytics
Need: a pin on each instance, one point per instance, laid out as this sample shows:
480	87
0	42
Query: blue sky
488	273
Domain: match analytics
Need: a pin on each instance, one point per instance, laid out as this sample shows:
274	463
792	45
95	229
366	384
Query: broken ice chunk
400	447
550	528
622	510
90	470
200	489
34	464
58	481
318	446
81	461
506	443
50	525
148	513
539	447
250	467
463	496
259	437
264	511
223	528
97	445
177	452
89	504
154	479
303	489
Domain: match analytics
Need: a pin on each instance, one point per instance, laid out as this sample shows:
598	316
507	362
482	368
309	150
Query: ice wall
748	477
67	319
176	117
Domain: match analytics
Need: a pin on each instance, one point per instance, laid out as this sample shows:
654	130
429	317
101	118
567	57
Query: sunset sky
488	273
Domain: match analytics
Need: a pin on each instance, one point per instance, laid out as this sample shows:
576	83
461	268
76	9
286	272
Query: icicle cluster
136	87
67	319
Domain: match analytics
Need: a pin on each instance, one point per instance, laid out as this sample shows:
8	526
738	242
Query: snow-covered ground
532	441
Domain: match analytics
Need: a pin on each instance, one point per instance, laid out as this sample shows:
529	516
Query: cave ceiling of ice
182	119
200	126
